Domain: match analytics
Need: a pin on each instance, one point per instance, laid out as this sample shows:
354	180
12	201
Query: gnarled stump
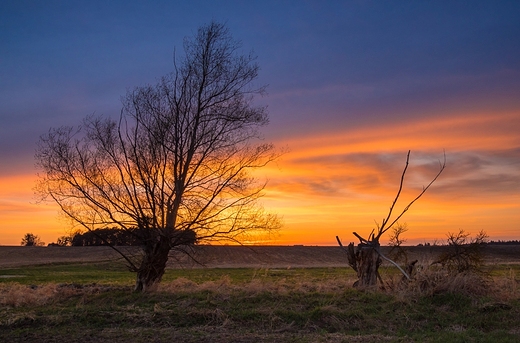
368	265
365	260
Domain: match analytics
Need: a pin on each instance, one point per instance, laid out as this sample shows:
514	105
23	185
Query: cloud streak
353	176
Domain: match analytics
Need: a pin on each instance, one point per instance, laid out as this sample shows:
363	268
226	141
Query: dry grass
257	285
14	294
430	281
426	282
306	307
19	295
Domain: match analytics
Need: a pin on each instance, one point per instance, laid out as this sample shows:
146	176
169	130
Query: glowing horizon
334	184
346	181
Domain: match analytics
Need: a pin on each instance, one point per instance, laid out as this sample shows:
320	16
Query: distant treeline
129	237
514	242
107	236
499	242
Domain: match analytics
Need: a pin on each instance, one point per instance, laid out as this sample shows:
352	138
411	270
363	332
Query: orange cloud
342	182
452	132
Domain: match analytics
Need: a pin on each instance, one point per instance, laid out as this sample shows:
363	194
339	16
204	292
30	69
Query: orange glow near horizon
21	214
336	183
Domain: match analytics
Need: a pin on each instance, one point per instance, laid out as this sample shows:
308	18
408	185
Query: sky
352	86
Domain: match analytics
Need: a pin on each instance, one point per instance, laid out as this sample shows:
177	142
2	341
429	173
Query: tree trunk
153	264
367	265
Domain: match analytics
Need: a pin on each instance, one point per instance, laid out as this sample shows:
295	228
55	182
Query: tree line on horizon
120	237
112	236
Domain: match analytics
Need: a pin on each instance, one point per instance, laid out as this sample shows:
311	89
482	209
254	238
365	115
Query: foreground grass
243	305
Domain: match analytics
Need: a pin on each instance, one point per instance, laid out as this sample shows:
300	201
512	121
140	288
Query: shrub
464	253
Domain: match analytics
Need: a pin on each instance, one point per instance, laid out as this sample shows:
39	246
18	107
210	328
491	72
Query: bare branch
361	239
395	264
339	242
384	229
385	221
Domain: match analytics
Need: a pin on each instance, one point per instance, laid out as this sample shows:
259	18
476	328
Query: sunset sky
352	86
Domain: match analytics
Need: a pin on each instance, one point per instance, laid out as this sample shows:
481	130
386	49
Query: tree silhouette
30	240
177	162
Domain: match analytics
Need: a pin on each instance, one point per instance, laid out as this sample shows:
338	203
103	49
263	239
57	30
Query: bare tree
463	252
366	258
395	241
31	240
177	163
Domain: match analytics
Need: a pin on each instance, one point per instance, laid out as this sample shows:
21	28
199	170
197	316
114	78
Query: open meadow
260	294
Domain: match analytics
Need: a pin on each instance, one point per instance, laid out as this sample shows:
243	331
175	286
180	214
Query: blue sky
333	69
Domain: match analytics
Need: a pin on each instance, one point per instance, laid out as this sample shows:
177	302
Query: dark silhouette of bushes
500	242
119	237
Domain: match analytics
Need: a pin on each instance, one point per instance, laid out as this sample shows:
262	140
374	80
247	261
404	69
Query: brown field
235	256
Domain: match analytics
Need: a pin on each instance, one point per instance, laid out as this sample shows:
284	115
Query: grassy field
91	300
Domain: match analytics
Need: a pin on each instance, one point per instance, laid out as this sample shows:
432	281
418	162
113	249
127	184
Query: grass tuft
15	294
